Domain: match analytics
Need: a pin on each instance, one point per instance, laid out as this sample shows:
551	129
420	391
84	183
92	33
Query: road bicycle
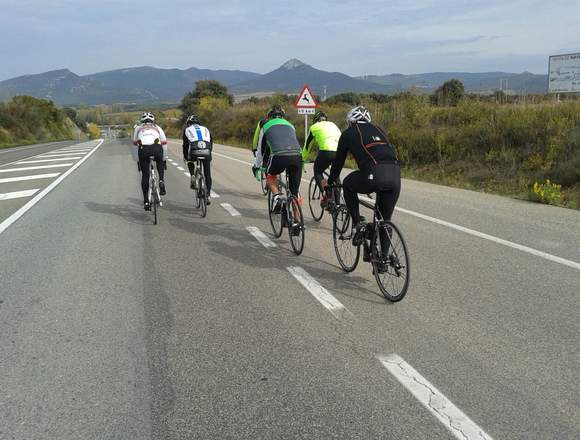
334	199
263	184
153	195
200	193
383	247
288	214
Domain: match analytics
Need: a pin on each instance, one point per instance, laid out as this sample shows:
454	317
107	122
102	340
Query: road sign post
305	104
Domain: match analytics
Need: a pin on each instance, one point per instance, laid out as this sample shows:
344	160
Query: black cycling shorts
292	165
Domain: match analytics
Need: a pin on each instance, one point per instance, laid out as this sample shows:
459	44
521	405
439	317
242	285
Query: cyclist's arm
255	144
261	149
307	145
185	145
135	133
163	140
338	163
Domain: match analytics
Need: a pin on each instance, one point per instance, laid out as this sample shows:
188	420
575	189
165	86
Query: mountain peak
293	64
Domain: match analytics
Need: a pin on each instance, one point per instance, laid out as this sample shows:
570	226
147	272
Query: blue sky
354	37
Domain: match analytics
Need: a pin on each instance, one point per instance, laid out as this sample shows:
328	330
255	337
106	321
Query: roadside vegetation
27	120
524	147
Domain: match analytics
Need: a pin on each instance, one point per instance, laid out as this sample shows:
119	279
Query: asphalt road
113	328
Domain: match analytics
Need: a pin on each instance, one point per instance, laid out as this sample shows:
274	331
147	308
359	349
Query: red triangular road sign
305	99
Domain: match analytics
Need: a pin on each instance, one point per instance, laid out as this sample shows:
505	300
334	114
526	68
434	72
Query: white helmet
358	114
147	117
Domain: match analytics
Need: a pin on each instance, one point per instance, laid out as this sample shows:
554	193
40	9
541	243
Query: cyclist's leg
275	167
191	167
353	184
386	201
144	164
294	169
322	162
207	172
158	153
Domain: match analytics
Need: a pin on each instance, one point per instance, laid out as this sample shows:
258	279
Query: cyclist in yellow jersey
326	135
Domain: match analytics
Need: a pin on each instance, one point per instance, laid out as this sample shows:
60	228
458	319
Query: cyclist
279	150
150	140
325	134
261	123
197	142
378	168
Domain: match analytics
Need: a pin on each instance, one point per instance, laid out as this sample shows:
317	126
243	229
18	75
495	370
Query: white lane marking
50	160
529	250
214	194
22	178
41	167
461	426
231	158
231	209
519	247
64	150
29	157
323	296
13	149
187	174
181	168
261	237
14	217
46	156
18	194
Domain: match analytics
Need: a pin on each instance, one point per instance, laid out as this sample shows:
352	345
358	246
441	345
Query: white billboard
564	73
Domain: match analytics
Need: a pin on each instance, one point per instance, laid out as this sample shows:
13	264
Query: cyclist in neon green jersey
325	134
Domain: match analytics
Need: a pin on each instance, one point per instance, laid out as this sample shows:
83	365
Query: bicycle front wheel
314	200
390	260
296	226
347	254
275	217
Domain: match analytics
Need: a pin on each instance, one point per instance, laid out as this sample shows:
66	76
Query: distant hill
132	85
150	85
474	82
293	74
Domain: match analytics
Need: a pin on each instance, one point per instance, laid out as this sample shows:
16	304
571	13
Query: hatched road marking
42	167
18	194
22	178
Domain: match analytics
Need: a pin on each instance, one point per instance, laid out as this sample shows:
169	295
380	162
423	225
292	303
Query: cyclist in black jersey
378	167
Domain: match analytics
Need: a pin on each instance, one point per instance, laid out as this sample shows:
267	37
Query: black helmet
276	112
320	116
193	119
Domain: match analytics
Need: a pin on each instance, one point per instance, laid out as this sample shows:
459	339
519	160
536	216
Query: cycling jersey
368	145
149	134
324	133
277	138
256	138
192	135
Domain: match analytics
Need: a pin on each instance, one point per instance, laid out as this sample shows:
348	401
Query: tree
449	93
204	88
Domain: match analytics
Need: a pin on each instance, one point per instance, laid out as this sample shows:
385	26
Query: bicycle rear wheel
196	200
296	226
390	260
314	199
275	218
347	254
202	196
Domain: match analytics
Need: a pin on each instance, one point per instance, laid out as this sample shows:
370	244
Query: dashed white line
214	194
231	209
50	160
322	295
187	174
22	178
181	168
41	167
14	217
529	250
261	237
461	426
18	194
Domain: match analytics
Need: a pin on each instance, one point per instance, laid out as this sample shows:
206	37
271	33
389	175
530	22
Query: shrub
548	192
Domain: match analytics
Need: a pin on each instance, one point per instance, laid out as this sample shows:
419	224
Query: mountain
293	74
150	85
165	84
473	82
61	86
133	85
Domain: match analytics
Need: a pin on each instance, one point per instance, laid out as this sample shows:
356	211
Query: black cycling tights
145	152
206	171
322	162
358	183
